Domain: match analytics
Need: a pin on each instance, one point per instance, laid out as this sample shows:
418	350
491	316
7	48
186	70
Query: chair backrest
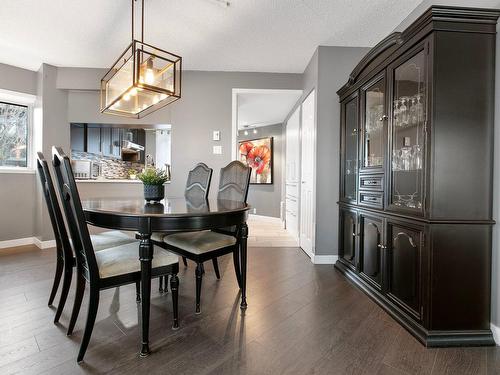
56	218
234	182
198	182
74	214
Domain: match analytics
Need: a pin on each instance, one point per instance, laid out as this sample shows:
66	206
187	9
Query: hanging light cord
142	20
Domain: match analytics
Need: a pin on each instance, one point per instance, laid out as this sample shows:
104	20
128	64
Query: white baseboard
324	259
496	333
44	244
28	241
16	242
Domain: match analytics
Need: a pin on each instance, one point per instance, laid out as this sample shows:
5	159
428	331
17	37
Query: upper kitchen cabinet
415	217
93	138
78	140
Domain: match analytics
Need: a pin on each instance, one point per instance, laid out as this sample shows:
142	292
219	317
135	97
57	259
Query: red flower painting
257	154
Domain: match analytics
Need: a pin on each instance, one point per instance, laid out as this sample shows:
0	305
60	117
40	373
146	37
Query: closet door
308	157
292	174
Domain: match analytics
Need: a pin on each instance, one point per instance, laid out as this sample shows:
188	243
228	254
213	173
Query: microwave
86	169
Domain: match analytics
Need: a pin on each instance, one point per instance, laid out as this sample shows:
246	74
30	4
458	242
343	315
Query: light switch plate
216	135
217	150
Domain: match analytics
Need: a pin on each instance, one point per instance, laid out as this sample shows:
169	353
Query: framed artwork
258	154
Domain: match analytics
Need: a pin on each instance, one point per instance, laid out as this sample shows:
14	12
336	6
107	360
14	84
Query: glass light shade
142	80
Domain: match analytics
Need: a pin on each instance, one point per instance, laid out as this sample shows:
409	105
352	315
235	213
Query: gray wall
334	66
71	96
17	219
327	71
266	199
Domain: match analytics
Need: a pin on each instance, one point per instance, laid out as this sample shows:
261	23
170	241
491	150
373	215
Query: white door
307	201
292	174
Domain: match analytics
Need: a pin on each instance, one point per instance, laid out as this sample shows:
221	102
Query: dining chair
108	268
197	187
202	246
65	260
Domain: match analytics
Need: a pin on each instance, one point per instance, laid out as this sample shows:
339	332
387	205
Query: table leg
146	258
243	265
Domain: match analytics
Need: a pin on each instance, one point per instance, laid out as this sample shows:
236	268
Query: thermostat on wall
216	135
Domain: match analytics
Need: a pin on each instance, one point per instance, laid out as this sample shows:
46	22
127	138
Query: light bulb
245	132
126	97
150	76
255	131
133	91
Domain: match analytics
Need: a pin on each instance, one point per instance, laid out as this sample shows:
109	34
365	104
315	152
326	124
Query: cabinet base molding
430	339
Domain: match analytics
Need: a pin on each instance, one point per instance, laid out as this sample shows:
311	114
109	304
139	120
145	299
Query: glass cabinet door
373	125
408	134
350	154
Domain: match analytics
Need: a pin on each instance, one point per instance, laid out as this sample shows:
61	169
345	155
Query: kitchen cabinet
93	139
415	217
77	137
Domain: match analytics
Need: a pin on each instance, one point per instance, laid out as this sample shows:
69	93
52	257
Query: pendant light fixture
143	79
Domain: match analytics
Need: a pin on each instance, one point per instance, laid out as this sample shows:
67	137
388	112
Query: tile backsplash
112	168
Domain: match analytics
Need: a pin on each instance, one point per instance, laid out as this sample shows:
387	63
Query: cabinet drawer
292	189
371	182
291	204
371	199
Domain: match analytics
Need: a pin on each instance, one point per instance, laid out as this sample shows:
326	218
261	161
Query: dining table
169	215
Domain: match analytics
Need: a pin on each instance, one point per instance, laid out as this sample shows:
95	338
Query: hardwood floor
301	319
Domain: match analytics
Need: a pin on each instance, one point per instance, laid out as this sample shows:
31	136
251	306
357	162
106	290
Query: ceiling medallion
143	79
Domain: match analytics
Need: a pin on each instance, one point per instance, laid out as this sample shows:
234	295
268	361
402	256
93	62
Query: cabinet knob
383	118
380	246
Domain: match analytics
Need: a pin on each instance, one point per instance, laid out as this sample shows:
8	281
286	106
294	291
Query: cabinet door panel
116	142
373	122
370	248
94	139
408	135
404	260
348	221
349	158
106	141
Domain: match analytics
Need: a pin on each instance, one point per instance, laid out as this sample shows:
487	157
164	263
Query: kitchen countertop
112	181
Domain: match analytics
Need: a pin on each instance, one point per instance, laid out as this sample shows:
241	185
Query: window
16	132
14	140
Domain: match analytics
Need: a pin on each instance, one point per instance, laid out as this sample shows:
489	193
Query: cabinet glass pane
408	117
373	139
351	149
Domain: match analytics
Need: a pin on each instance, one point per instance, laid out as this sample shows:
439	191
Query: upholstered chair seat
112	238
123	259
158	236
199	242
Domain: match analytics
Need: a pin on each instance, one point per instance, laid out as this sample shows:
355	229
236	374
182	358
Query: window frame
25	100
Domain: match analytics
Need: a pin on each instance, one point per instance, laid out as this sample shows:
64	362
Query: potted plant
153	180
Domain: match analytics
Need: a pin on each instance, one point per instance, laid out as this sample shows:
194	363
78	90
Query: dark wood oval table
172	214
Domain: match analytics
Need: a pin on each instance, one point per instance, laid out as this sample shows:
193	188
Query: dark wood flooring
301	319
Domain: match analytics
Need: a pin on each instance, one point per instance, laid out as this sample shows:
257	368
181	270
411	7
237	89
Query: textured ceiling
265	107
249	35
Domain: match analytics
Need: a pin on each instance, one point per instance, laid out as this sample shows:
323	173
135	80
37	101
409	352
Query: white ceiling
249	35
257	108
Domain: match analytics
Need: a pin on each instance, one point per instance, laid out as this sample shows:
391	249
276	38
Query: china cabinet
416	175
